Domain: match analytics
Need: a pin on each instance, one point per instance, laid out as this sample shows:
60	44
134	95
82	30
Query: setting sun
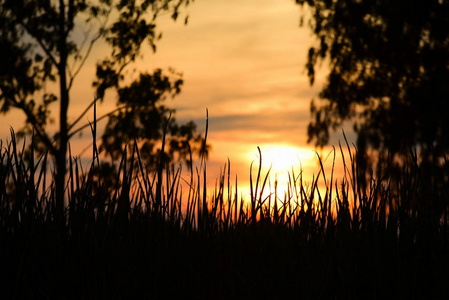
281	160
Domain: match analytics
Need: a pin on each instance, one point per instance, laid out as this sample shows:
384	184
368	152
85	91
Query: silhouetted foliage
44	41
135	241
144	119
389	66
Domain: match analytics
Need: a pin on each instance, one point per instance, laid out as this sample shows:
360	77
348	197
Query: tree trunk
61	151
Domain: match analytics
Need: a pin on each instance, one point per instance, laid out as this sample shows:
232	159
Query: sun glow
281	161
283	157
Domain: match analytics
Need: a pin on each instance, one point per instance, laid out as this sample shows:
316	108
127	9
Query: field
385	236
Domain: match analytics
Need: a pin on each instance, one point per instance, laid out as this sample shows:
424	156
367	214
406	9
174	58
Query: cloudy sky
243	60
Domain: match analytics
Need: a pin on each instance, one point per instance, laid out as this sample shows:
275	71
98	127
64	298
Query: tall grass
160	235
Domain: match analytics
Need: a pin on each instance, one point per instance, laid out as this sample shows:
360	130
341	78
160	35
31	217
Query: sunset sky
243	60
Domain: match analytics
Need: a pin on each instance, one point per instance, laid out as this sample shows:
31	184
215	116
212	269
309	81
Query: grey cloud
266	121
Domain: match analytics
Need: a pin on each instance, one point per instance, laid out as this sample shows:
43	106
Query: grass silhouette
149	238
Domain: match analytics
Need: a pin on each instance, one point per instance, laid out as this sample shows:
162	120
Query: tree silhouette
40	43
389	70
145	118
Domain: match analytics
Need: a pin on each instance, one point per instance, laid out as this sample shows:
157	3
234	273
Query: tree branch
71	134
82	114
89	49
39	41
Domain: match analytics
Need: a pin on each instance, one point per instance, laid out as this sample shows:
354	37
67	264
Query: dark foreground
145	240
